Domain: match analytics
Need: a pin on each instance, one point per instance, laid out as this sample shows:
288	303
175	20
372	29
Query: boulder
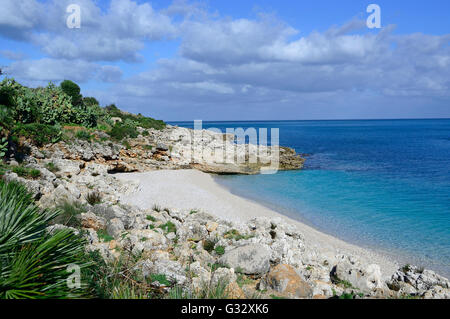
211	226
173	271
90	220
285	281
233	291
67	167
367	279
252	259
223	276
115	227
411	280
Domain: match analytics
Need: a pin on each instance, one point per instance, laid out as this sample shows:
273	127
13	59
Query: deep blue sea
381	184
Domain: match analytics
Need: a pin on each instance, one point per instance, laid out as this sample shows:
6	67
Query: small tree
89	101
73	90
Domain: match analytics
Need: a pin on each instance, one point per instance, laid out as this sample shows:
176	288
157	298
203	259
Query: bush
73	90
169	227
40	134
104	236
33	262
52	167
35	173
207	291
118	279
26	172
208	245
220	250
139	120
94	198
3	147
121	131
84	135
70	213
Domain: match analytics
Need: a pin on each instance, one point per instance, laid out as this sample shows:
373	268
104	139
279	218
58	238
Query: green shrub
73	90
118	279
3	147
243	280
33	262
20	171
26	172
69	214
83	135
208	245
94	198
40	134
207	291
220	250
35	173
139	120
121	131
6	118
104	236
235	235
161	278
52	167
7	93
169	227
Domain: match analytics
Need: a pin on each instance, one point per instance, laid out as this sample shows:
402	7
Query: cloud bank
228	68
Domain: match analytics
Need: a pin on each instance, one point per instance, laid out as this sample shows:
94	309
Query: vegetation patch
26	172
39	134
84	135
235	235
220	250
161	278
33	261
70	214
243	280
94	198
52	167
208	245
104	236
168	227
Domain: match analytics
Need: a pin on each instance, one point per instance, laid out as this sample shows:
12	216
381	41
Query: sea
379	184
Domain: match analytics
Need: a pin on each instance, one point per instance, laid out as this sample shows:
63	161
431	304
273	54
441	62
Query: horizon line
312	120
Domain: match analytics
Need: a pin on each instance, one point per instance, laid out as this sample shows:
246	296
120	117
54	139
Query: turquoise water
380	184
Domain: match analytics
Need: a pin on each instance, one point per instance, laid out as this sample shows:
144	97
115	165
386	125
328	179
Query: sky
183	60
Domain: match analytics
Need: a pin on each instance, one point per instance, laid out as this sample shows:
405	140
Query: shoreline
398	256
192	189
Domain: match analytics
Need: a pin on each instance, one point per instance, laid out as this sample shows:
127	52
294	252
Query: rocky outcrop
171	148
251	259
285	282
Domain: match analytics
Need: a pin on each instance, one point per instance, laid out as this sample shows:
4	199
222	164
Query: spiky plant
40	269
33	261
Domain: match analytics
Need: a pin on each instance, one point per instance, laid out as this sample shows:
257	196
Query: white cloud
257	63
117	34
45	70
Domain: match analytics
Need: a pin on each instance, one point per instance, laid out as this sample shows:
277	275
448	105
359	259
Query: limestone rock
365	278
233	291
115	227
252	259
223	276
90	220
284	280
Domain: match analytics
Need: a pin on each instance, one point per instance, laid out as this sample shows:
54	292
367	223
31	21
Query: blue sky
238	60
